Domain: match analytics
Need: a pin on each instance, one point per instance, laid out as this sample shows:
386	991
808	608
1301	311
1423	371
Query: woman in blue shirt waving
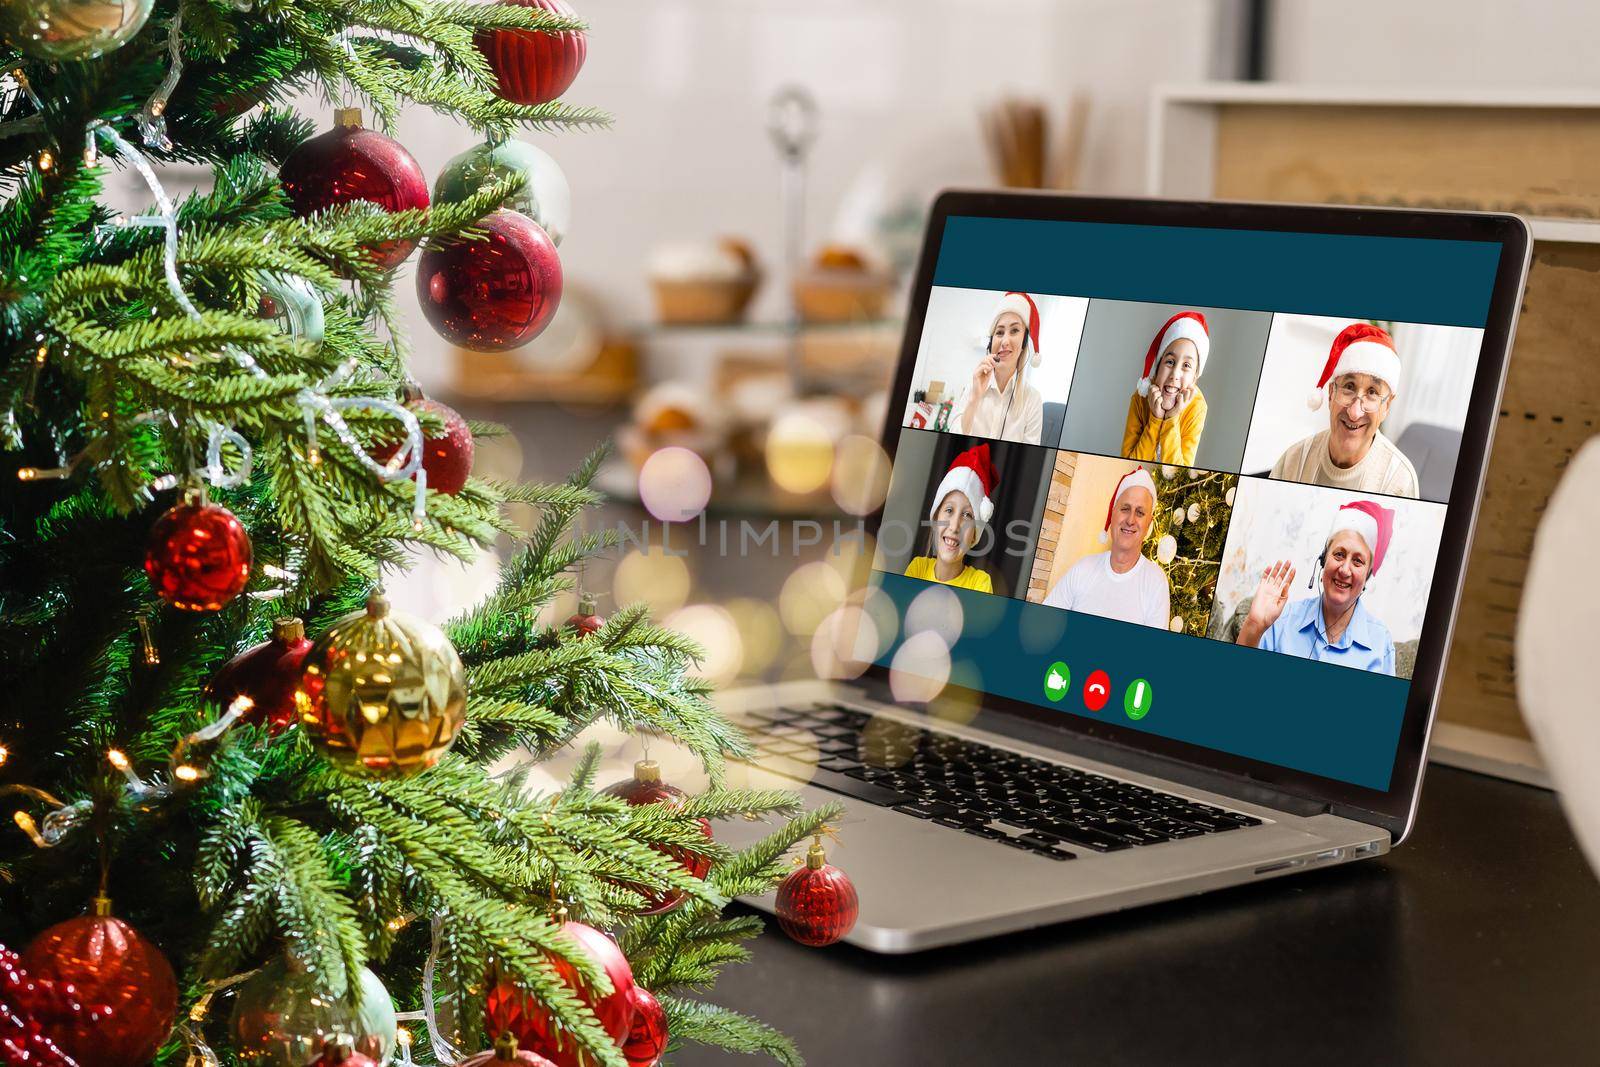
1335	627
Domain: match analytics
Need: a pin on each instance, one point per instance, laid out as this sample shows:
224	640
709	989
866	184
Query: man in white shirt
999	403
1122	583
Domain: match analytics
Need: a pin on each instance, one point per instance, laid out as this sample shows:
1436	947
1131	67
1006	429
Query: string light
147	643
187	772
26	824
5	754
47	160
39	474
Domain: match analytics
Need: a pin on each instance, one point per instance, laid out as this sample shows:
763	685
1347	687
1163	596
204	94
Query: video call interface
1214	521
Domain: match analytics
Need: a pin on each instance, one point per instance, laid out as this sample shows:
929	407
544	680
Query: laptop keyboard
1009	798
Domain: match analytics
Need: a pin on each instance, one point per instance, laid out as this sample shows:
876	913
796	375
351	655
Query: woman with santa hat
1334	627
1359	381
999	403
1122	583
1167	412
962	507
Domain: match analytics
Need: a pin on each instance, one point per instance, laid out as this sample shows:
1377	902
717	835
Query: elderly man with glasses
1358	381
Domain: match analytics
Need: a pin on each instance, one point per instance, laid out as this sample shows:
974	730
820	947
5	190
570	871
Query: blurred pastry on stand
675	413
843	284
704	283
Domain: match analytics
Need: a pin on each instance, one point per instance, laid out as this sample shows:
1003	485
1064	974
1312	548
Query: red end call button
1096	690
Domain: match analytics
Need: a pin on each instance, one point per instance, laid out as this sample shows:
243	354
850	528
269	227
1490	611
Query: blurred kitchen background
737	253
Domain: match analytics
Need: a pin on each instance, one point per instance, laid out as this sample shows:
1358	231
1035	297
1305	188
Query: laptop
1160	592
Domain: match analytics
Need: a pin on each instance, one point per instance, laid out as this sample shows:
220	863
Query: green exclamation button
1136	701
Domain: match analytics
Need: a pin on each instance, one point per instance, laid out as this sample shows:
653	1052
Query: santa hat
1185	324
1132	480
1360	348
1021	305
1370	521
973	475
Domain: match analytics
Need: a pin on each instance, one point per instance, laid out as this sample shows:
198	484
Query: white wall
899	83
1478	43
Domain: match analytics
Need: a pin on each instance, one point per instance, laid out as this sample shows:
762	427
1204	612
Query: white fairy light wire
313	401
152	117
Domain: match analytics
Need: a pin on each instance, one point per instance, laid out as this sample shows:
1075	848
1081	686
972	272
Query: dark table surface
1477	941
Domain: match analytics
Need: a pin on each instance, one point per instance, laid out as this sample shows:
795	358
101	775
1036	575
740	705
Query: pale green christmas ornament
543	195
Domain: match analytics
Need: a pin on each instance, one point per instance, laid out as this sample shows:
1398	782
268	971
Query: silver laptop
1160	592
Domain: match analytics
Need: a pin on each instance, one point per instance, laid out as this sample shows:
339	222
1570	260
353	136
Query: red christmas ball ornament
587	620
646	787
32	1011
817	904
647	1041
339	1050
491	294
264	678
447	455
505	1051
198	556
351	162
108	963
508	1009
533	67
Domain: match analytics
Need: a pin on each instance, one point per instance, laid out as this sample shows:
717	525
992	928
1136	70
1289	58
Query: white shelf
1268	93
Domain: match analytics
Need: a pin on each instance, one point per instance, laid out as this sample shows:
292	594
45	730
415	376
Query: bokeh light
860	477
885	628
440	586
653	577
959	702
888	743
808	595
760	631
714	629
497	458
851	554
1043	632
674	484
935	610
837	646
983	615
799	453
920	668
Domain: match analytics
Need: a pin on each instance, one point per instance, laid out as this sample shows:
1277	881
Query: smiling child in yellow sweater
1167	412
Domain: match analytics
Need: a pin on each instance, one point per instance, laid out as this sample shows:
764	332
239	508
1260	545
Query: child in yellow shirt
1167	412
962	506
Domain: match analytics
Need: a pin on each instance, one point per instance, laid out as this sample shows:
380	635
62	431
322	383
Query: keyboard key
1086	836
927	809
850	787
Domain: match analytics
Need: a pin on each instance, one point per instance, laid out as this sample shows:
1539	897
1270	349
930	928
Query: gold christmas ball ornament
383	693
71	29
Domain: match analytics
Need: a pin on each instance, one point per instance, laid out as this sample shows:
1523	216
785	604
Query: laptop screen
1190	482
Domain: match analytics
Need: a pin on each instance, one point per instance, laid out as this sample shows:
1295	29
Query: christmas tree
1189	530
217	737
